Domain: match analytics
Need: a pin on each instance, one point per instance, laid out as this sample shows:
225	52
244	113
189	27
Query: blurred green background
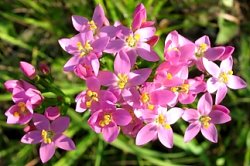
29	30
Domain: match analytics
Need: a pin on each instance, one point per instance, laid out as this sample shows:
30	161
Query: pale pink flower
204	119
222	77
158	125
49	135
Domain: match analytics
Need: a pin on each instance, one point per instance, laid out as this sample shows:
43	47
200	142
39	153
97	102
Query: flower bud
44	68
52	113
28	69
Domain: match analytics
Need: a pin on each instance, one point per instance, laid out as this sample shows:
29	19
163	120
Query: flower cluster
46	129
142	103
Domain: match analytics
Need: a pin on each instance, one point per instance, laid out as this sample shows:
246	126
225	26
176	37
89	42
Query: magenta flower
204	119
108	121
178	49
82	46
20	113
23	91
28	69
122	78
158	125
93	97
49	135
222	77
52	113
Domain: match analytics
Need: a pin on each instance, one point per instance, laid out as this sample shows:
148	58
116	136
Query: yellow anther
92	25
84	50
132	40
145	97
16	114
122	80
169	76
151	106
205	121
223	77
47	136
22	106
88	103
184	88
201	49
107	118
173	49
162	121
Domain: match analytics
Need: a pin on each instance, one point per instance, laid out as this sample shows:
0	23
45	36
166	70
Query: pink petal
219	117
212	85
166	137
71	63
107	78
235	82
161	97
138	77
227	53
191	115
122	63
227	64
46	151
93	84
214	53
64	143
99	16
211	68
146	134
205	104
41	122
110	133
52	113
187	51
28	69
114	46
221	93
203	39
121	117
191	131
11	84
173	115
78	22
210	133
95	64
146	33
137	21
32	137
145	51
60	124
100	44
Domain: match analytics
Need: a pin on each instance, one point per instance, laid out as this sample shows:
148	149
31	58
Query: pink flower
108	121
178	49
49	135
158	125
122	78
204	119
23	91
222	77
20	113
83	46
28	69
93	97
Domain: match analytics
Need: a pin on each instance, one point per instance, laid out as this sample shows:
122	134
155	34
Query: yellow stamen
16	114
201	49
184	88
145	97
169	76
223	77
132	40
47	136
205	121
162	121
22	106
84	50
173	49
92	25
107	118
123	79
151	106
